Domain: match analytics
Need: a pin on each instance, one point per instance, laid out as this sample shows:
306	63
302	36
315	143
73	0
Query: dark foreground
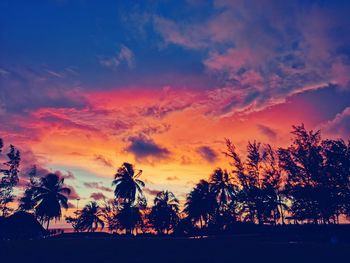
171	249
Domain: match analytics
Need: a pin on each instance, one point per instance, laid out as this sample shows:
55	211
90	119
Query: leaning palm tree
89	218
200	203
127	185
165	213
50	196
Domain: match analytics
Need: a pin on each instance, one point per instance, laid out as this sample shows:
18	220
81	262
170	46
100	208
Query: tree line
306	182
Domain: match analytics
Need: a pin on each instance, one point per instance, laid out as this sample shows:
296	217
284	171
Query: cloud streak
207	153
98	186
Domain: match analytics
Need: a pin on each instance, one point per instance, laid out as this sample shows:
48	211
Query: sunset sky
87	85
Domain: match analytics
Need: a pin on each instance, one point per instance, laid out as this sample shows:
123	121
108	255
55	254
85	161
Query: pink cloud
341	75
98	196
338	127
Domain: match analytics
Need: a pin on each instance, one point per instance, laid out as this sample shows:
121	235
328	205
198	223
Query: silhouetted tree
259	181
10	178
27	202
89	218
127	185
317	175
336	179
221	184
185	227
50	196
110	211
130	198
200	204
73	221
128	217
164	215
273	184
302	162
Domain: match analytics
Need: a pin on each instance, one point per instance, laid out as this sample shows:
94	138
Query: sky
86	85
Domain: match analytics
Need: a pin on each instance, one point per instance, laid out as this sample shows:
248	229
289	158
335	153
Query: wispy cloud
97	185
124	55
339	126
207	153
98	196
267	131
103	160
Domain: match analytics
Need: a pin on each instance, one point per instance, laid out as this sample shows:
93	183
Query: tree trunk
47	224
282	214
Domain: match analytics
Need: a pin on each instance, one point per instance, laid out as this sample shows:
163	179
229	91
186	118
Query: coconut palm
127	185
110	211
165	212
128	217
200	203
50	196
89	218
223	187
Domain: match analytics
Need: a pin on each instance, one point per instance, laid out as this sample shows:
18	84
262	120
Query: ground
171	249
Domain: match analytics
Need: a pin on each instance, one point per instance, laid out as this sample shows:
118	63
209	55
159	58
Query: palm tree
109	213
128	217
223	187
200	203
127	185
89	218
165	213
50	196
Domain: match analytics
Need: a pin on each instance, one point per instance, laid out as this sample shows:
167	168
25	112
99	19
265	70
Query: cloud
142	148
207	153
185	160
261	55
121	125
62	122
98	196
29	160
172	178
73	193
180	34
69	175
103	160
339	126
150	191
160	111
155	129
124	55
65	176
267	131
26	89
97	185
